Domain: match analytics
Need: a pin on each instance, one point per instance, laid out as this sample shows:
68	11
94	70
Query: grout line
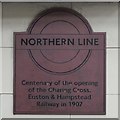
6	93
112	94
71	5
6	47
112	47
1	54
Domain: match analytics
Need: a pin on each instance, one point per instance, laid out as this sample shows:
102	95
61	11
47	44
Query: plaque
59	66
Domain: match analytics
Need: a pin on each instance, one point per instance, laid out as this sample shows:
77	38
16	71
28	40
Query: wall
103	17
0	56
119	59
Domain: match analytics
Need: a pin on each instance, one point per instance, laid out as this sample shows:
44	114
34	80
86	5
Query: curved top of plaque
56	25
60	14
60	21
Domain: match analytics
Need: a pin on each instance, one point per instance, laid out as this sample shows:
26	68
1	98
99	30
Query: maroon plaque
59	66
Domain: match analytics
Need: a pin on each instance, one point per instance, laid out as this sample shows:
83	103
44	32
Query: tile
7	110
0	25
111	109
111	71
103	17
119	70
17	17
0	72
119	23
119	106
7	70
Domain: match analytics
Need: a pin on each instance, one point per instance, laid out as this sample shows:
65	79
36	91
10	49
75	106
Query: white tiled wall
0	48
0	59
112	71
103	17
7	83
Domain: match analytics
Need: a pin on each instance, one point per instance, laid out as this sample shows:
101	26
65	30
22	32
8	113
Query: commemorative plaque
59	66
